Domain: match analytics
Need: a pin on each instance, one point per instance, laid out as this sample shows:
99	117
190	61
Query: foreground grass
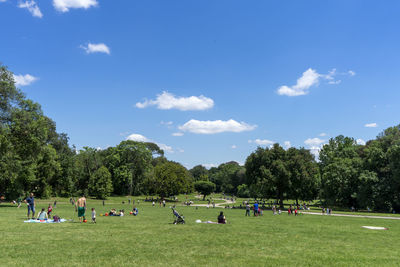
150	239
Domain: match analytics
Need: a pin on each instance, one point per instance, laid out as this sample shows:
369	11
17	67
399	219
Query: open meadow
151	240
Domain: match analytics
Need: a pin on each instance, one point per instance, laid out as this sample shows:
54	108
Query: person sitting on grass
221	218
135	211
42	215
112	212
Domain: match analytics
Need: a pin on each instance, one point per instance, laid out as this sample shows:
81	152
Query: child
93	215
49	210
42	215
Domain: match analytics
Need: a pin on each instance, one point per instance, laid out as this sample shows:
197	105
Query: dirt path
354	216
217	205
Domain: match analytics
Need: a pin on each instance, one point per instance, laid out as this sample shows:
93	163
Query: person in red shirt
49	210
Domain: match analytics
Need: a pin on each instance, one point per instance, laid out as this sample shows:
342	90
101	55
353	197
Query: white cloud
314	141
2	1
309	79
209	165
233	146
32	7
169	101
322	134
262	142
351	73
96	48
314	145
138	138
315	151
166	148
141	138
23	80
287	144
177	134
371	125
360	141
214	127
168	123
65	5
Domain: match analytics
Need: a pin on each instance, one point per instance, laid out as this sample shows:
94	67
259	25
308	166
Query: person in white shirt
93	215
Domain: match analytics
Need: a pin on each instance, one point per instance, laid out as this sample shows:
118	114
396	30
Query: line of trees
34	157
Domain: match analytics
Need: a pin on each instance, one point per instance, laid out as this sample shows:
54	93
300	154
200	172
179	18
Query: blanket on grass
44	221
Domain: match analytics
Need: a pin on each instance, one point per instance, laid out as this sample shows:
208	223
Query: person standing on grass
255	208
93	215
81	206
247	210
30	201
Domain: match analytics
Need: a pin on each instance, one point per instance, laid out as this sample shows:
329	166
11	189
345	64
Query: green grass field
151	240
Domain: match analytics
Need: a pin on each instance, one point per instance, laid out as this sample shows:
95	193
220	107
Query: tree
100	184
304	174
199	172
267	173
226	177
243	191
204	187
171	179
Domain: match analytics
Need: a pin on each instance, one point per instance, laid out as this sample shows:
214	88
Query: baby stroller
178	219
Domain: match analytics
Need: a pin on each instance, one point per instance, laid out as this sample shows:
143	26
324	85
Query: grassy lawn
150	239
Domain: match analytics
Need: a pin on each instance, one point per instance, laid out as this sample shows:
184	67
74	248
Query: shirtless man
81	205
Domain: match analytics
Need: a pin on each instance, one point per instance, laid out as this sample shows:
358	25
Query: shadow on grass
6	205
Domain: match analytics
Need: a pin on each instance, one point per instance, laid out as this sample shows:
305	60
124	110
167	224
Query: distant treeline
35	158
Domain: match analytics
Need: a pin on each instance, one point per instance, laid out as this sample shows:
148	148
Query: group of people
31	204
327	211
257	210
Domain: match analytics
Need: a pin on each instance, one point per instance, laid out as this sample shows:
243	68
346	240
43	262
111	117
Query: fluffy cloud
233	146
169	101
23	80
287	144
360	141
314	141
177	134
314	145
96	48
262	142
214	127
309	79
137	138
371	125
322	134
32	7
141	138
65	5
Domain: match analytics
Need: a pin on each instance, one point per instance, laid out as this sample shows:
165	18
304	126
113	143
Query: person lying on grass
42	215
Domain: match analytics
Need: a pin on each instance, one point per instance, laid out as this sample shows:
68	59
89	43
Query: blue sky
207	80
